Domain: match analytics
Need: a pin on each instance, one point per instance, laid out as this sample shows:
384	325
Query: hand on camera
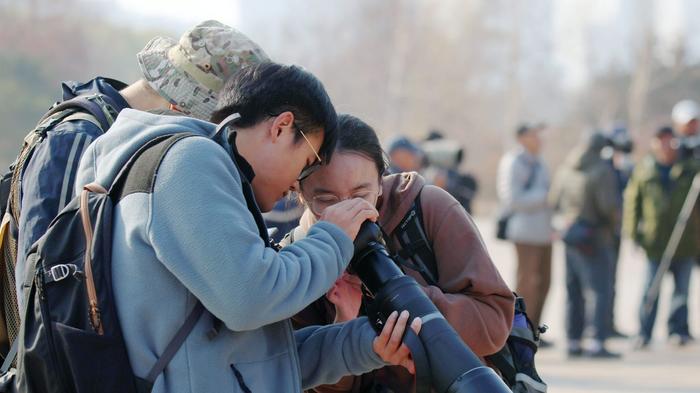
388	344
350	214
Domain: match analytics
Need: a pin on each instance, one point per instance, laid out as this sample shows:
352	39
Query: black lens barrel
453	366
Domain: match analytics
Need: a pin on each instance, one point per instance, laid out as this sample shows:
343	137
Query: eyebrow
319	190
363	185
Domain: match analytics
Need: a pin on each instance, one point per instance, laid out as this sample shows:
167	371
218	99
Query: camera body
443	153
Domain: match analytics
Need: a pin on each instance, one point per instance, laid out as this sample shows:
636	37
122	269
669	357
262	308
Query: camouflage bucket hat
191	72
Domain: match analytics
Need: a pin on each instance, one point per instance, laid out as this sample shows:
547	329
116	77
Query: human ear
283	122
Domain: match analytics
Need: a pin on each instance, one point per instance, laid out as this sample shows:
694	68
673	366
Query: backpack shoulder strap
415	245
139	172
175	343
137	175
99	106
98	109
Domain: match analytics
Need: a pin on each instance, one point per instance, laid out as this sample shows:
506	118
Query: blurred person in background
182	75
685	116
443	159
404	155
283	217
523	184
618	155
581	195
652	202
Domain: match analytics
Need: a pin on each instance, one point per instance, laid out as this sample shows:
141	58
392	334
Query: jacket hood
106	86
105	157
587	154
398	193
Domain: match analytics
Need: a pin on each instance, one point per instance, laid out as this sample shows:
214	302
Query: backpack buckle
60	272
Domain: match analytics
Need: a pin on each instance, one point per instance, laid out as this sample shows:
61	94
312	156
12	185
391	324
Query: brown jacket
474	298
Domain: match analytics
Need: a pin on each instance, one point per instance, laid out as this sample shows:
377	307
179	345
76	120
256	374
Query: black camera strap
416	251
420	360
423	376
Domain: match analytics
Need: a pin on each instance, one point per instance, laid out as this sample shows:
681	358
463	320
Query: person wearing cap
523	184
443	158
196	236
653	200
404	155
183	75
686	118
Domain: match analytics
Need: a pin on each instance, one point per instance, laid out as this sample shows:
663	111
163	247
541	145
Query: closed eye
326	198
363	194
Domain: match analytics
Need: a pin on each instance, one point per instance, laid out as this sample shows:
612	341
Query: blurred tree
471	68
26	92
45	42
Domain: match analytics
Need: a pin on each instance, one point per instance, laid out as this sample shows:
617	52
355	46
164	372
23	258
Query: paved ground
662	369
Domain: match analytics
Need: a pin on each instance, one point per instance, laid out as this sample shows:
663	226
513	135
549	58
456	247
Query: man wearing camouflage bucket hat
183	75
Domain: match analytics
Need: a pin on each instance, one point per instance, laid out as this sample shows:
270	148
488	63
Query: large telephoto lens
453	366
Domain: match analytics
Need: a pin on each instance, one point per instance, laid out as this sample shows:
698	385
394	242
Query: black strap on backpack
99	107
87	104
416	251
138	176
175	344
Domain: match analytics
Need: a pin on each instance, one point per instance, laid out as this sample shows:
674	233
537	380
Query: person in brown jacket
470	294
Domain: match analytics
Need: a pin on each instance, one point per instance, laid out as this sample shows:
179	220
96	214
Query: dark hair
434	134
356	136
266	89
664	131
523	129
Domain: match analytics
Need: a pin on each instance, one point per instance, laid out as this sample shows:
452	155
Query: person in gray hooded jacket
197	235
523	184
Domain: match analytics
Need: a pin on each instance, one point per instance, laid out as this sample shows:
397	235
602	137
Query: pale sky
187	12
586	33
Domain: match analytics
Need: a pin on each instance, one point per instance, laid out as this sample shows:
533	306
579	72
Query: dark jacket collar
247	175
242	164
